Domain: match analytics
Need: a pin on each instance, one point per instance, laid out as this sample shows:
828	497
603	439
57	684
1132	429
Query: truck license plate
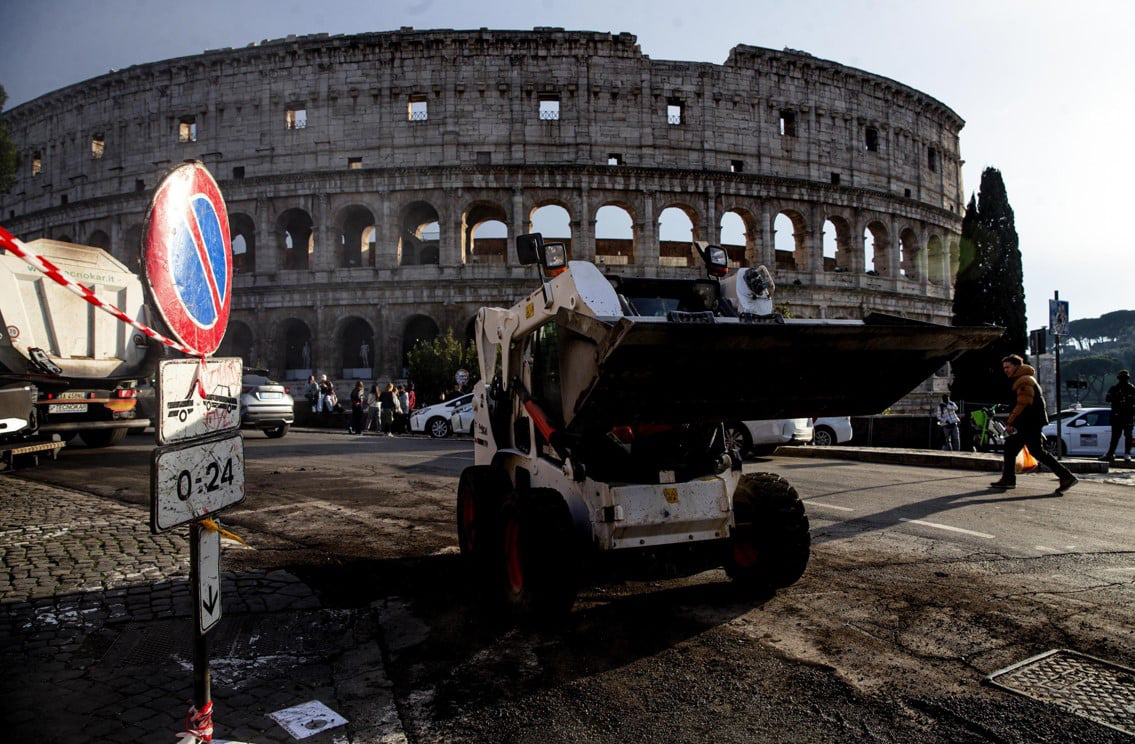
67	408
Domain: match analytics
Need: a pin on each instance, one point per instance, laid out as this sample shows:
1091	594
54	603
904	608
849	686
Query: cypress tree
989	290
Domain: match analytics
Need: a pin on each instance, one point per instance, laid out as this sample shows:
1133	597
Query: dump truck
598	423
83	364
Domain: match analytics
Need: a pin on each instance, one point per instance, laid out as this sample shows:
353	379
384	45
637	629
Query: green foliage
989	290
1114	329
1098	371
9	159
434	363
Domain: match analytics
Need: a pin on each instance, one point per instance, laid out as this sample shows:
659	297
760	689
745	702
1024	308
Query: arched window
298	354
420	235
242	232
789	230
297	239
876	246
554	223
485	235
614	235
736	238
676	237
357	236
357	349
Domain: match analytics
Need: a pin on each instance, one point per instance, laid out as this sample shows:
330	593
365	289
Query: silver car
265	404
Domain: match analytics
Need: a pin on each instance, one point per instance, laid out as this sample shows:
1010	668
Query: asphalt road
922	582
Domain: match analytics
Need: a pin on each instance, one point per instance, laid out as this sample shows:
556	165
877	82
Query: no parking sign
188	257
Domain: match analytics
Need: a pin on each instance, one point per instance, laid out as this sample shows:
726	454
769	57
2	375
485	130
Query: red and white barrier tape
9	243
198	725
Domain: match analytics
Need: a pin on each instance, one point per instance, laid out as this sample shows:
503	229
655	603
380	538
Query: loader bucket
636	370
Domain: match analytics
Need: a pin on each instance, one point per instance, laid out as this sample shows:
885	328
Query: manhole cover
1093	688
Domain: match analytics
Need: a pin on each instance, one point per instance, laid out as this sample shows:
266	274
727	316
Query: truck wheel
102	437
539	556
278	432
481	492
770	544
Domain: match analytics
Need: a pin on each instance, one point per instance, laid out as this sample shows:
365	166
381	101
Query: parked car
829	430
434	420
762	437
462	419
265	404
1086	431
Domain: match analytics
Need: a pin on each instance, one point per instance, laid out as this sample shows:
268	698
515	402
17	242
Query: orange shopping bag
1026	463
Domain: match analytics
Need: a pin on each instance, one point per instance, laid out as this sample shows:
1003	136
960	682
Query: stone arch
471	329
99	239
484	233
242	232
296	349
838	255
239	341
552	219
876	249
296	233
358	235
738	235
790	247
616	234
131	248
354	342
417	328
937	263
419	235
955	260
63	238
677	230
909	259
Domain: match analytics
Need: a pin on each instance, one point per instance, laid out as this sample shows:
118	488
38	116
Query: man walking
1121	395
1025	422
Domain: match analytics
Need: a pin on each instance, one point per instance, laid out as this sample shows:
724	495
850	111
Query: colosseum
375	181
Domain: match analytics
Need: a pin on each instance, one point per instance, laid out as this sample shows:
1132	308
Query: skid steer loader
598	434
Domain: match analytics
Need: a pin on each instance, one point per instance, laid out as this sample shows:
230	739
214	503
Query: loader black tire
770	544
481	492
540	560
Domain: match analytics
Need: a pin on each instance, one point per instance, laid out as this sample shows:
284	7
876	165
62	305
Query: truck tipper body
84	363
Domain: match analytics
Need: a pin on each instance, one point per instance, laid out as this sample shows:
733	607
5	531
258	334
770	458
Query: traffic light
1038	341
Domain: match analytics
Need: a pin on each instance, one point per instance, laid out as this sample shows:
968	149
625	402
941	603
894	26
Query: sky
1045	87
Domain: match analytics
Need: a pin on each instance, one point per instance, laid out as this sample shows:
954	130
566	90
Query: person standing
311	392
1121	395
403	410
373	417
358	401
948	420
1029	415
388	404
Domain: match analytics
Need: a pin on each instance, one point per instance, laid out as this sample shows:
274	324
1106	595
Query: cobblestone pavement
96	633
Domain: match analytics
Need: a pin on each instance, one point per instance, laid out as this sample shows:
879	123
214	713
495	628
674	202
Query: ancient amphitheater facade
360	171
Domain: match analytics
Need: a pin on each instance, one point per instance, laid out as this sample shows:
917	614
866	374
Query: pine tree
989	290
9	159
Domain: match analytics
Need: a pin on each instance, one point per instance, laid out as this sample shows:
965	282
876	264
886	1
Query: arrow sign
208	585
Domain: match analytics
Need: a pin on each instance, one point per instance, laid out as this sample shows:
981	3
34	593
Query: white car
831	430
1086	431
764	436
434	420
461	422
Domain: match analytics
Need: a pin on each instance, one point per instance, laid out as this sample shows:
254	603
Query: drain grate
1089	687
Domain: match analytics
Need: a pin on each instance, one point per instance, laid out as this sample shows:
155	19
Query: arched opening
955	261
238	342
875	249
99	239
297	239
553	222
614	235
676	235
420	236
242	232
908	255
357	234
936	264
356	349
297	351
789	230
837	245
485	234
737	238
471	330
63	238
131	249
417	328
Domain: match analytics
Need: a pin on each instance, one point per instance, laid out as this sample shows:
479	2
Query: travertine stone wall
766	133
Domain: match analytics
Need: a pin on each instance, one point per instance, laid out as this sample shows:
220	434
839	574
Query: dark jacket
1121	395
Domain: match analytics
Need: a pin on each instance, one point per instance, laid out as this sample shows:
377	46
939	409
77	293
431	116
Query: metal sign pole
202	694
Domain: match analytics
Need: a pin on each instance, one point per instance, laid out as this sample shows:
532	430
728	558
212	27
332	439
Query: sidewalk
987	461
95	632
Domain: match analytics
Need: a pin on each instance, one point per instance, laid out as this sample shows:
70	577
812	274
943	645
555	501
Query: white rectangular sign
208	579
191	481
197	399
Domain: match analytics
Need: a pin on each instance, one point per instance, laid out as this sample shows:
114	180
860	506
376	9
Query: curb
990	462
